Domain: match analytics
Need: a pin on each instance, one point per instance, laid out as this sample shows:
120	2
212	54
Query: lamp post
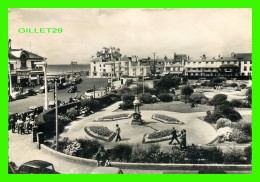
10	76
44	65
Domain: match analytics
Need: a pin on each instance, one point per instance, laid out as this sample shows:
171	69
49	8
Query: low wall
151	166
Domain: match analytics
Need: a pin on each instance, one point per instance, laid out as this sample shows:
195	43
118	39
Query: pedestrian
183	139
12	122
26	126
102	157
20	125
118	131
174	136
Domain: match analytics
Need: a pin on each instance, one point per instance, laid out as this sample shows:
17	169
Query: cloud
134	31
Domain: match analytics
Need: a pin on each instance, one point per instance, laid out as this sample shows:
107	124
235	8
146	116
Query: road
22	105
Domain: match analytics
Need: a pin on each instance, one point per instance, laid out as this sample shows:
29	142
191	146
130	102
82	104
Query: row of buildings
110	63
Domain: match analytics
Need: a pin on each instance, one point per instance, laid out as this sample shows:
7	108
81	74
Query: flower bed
100	132
115	117
166	119
157	136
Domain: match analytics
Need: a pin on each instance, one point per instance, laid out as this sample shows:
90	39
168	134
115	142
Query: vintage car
30	92
33	167
72	89
106	170
42	89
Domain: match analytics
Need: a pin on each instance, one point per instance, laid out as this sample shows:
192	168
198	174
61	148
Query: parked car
72	89
33	167
16	95
42	89
106	170
30	92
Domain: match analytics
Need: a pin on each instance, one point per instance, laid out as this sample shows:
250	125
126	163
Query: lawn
176	106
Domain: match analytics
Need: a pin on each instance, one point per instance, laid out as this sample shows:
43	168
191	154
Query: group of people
22	123
182	136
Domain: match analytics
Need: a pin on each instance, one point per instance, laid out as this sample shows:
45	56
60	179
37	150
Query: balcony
37	69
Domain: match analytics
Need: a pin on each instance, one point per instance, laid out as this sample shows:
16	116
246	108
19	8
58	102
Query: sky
140	32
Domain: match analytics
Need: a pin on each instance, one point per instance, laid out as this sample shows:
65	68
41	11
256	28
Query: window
250	68
94	62
245	62
235	62
194	68
199	62
198	68
250	61
207	62
223	62
194	62
100	65
104	65
228	62
94	68
11	67
212	62
104	70
245	68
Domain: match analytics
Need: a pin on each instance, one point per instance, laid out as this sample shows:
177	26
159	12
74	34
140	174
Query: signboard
23	73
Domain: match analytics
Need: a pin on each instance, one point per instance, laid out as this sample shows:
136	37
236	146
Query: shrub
223	122
233	85
245	128
187	90
236	103
239	136
93	104
218	99
234	156
198	98
226	111
121	153
89	148
64	119
165	97
224	134
248	154
138	154
146	98
243	86
73	149
126	105
72	113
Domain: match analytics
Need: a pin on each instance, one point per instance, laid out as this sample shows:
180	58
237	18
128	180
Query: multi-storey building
245	63
23	68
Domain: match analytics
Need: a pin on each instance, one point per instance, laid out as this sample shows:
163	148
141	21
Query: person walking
118	131
174	136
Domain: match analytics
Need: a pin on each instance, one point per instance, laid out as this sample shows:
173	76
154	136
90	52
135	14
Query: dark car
37	167
72	89
30	92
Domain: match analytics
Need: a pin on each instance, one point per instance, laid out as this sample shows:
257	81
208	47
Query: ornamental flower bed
157	136
115	117
166	119
100	132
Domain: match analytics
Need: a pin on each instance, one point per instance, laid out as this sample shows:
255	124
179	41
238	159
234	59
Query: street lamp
44	65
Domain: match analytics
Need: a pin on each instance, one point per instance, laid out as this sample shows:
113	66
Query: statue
137	114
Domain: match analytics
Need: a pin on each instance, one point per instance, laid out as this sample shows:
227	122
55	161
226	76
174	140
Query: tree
249	95
166	83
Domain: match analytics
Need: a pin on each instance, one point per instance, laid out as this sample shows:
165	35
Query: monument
137	114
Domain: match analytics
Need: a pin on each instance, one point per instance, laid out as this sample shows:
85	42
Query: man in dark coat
174	136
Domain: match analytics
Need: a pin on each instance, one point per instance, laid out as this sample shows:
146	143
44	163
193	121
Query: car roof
37	164
106	170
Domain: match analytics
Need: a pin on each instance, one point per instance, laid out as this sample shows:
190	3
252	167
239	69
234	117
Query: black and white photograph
129	91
